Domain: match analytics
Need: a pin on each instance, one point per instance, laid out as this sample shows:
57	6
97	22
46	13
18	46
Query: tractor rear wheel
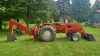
75	37
47	33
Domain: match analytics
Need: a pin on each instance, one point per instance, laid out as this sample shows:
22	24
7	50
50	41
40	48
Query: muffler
89	37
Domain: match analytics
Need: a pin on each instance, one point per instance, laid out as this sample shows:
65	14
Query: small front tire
75	37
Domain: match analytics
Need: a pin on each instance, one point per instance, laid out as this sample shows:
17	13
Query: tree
81	10
29	5
31	10
96	6
10	9
17	9
64	8
2	9
54	12
2	12
44	10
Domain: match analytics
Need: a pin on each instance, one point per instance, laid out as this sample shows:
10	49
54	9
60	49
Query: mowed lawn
61	46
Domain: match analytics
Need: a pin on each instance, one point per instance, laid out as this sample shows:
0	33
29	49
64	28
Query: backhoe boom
23	28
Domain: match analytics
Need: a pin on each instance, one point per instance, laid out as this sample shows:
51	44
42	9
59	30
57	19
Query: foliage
45	10
81	10
64	8
54	11
29	10
22	21
9	9
96	6
38	22
5	24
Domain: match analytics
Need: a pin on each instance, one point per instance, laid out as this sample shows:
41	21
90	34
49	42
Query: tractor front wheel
47	33
75	37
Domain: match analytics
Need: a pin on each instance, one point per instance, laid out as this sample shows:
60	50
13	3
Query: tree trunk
27	17
0	24
28	14
17	21
27	22
64	19
79	20
51	20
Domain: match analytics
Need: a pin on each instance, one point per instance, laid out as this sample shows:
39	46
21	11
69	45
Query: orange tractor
47	31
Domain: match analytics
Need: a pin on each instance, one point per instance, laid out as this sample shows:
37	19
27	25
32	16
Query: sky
91	1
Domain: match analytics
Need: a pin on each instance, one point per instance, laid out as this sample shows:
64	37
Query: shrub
38	22
5	24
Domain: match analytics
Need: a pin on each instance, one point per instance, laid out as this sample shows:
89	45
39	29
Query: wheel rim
75	38
47	34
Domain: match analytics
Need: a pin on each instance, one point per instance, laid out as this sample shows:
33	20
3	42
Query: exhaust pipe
89	37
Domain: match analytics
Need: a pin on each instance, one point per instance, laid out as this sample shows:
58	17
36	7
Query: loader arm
77	28
81	30
85	35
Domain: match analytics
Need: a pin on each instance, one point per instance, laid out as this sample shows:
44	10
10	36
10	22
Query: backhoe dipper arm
11	37
11	27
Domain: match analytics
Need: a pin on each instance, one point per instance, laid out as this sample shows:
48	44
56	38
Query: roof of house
97	11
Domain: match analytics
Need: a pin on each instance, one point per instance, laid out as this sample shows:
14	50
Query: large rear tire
47	33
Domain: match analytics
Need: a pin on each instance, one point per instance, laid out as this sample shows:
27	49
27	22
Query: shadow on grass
60	39
4	30
5	41
63	39
86	26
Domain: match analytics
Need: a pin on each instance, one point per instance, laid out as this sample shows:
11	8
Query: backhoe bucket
89	37
11	38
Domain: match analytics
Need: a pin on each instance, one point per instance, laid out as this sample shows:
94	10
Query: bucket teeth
11	38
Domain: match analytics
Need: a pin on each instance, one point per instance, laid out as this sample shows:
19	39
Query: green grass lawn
61	46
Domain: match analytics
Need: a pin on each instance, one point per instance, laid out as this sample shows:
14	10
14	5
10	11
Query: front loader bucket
11	38
89	37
